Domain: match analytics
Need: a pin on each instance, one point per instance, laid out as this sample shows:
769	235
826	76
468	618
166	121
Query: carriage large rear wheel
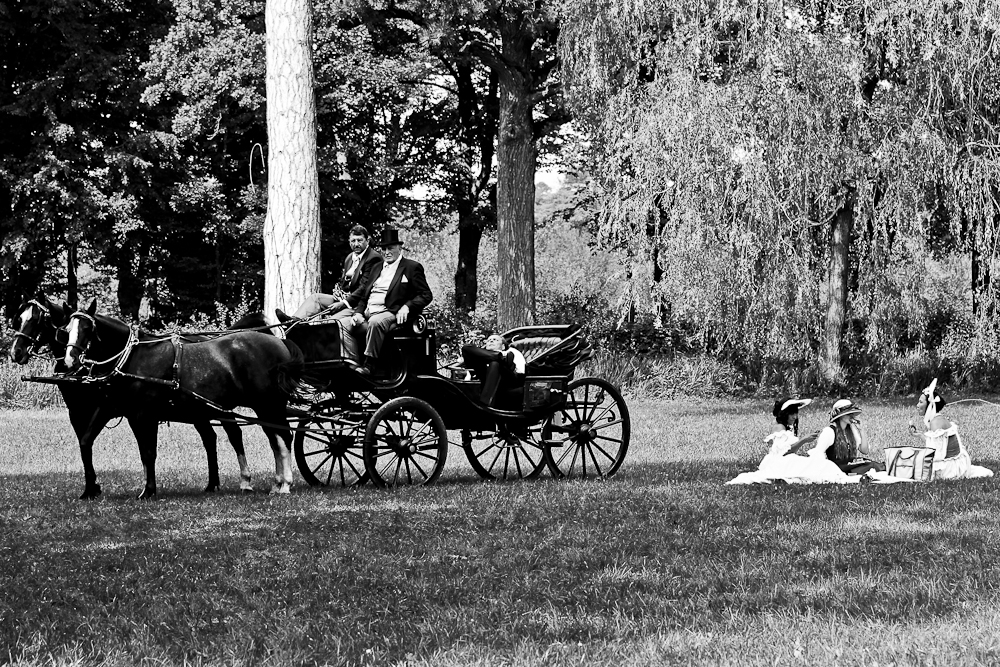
589	436
504	455
329	449
406	443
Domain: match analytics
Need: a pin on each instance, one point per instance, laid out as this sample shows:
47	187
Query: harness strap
178	351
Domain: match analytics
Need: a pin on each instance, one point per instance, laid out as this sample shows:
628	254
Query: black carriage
393	431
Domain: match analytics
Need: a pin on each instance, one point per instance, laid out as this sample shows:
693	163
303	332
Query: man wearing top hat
395	291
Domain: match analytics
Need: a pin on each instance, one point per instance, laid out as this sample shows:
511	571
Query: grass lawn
663	564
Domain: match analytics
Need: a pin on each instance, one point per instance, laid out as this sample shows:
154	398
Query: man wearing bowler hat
396	291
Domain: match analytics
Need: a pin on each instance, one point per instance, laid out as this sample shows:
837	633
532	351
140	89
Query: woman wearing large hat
843	440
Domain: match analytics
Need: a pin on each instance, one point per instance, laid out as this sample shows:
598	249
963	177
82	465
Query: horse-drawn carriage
349	428
394	431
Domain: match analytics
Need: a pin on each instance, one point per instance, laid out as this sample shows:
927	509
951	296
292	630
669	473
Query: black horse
38	326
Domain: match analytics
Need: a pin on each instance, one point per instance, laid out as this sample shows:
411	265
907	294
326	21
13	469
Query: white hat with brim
842	408
795	403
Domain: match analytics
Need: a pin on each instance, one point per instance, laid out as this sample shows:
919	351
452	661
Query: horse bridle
93	323
44	312
121	356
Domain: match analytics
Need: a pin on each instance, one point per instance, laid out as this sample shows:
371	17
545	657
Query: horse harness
133	339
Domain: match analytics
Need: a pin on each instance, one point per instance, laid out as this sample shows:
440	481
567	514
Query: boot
366	368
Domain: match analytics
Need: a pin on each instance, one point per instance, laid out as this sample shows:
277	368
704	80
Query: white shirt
354	265
519	363
376	302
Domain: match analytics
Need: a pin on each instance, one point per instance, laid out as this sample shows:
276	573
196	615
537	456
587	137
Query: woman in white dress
790	458
951	460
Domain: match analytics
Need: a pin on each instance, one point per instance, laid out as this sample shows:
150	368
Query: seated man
393	293
357	265
495	364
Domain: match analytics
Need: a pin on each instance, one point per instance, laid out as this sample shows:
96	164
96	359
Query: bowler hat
389	237
842	408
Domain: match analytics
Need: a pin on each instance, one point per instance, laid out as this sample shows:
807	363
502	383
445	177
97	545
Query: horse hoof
211	488
280	490
147	495
247	490
91	492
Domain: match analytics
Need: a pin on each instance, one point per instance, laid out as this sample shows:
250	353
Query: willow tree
291	228
776	157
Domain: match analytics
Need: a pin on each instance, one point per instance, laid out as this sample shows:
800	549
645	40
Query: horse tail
289	373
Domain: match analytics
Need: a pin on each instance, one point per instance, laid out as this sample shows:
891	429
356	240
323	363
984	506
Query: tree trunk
837	291
466	274
131	274
72	281
291	229
980	277
478	135
516	165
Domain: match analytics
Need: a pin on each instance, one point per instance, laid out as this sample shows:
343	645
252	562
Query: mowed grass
663	564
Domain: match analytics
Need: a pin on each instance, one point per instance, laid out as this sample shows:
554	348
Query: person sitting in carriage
395	292
495	365
358	265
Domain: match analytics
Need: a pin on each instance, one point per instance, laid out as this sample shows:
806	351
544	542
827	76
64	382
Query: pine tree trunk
837	291
291	228
516	165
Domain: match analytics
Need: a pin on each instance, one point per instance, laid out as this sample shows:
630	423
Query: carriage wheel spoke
593	459
598	427
417	466
596	446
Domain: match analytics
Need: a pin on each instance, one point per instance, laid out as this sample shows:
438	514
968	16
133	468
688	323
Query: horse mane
252	321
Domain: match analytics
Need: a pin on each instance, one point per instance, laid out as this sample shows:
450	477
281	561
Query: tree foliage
728	135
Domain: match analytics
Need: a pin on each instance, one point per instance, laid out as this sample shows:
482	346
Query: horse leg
145	431
209	439
235	434
282	459
88	424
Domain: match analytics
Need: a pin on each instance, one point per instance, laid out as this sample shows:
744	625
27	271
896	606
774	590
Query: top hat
842	408
389	237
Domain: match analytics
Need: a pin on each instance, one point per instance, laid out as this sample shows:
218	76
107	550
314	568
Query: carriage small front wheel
406	443
589	435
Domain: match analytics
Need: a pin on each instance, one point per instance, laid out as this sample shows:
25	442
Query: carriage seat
535	346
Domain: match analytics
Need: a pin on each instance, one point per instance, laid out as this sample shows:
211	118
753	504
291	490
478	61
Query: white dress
954	464
777	464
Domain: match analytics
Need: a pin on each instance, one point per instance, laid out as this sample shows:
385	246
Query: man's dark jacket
408	287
